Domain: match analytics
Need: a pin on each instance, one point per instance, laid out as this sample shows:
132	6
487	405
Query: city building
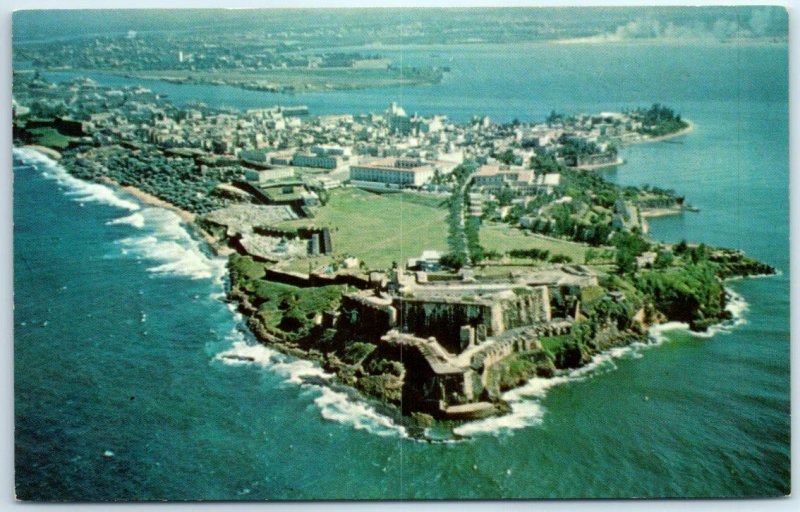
403	172
496	176
315	160
264	174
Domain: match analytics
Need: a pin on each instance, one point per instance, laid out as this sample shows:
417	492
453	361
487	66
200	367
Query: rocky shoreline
381	378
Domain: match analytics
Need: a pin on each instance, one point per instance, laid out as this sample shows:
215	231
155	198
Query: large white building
268	174
493	177
322	156
404	172
398	120
315	160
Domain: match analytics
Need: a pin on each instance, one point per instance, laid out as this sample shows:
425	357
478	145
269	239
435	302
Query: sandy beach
669	135
186	216
52	153
660	212
593	167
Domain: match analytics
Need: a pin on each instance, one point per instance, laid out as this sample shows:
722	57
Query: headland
431	276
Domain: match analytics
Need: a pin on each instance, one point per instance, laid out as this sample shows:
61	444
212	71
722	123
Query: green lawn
502	238
554	343
49	137
378	229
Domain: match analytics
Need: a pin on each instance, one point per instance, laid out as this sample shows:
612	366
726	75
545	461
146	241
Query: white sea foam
171	246
94	192
526	408
339	407
737	306
77	189
333	405
135	219
658	332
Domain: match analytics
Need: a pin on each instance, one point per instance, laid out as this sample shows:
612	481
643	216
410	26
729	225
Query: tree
626	261
554	117
507	157
544	164
664	259
560	258
505	196
456	261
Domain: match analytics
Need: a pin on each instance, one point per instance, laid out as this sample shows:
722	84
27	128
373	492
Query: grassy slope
378	229
49	137
501	238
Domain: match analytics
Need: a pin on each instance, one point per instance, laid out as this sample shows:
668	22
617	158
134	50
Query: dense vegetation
659	120
575	149
282	310
691	294
176	180
463	238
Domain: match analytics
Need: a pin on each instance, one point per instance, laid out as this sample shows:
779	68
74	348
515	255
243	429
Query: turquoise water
121	393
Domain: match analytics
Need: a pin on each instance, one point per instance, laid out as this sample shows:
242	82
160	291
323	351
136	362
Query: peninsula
262	63
431	265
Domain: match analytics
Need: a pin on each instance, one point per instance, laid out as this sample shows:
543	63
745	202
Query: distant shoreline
643	140
594	167
281	81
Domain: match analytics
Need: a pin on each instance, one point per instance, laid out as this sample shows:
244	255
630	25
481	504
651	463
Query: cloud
762	21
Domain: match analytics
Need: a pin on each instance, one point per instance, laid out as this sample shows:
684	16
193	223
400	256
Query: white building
398	171
315	160
264	175
495	177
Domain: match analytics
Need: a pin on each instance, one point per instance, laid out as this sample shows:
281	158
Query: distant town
414	257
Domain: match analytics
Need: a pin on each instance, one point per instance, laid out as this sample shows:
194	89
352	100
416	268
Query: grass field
377	229
49	137
502	238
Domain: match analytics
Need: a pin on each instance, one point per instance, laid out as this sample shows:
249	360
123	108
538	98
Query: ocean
122	393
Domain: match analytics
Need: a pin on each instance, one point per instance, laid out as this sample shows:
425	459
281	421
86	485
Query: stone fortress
450	334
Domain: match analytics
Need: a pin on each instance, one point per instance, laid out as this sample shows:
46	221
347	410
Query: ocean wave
168	243
333	405
737	306
341	408
658	333
135	219
171	245
78	190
